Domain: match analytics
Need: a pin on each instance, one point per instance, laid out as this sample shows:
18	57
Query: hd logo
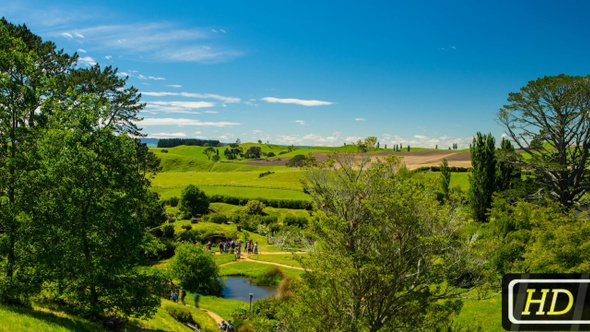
547	302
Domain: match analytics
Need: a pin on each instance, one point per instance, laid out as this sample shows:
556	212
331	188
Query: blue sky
422	73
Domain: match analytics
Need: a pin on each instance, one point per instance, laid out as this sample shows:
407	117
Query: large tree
549	119
74	202
383	246
482	179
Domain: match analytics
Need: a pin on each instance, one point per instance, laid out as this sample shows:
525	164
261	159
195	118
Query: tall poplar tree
482	179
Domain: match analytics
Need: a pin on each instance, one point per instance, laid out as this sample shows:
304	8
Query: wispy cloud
359	119
163	42
300	122
182	122
176	86
223	99
166	135
296	101
154	78
177	106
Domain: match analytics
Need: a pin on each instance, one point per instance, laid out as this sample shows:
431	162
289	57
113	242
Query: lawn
289	259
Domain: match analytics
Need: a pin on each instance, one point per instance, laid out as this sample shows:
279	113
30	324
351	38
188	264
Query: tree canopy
549	119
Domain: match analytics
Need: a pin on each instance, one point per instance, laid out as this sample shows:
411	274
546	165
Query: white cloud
81	50
79	35
67	35
181	122
256	131
176	86
177	106
359	119
108	57
421	137
300	122
160	42
86	61
296	101
211	112
224	99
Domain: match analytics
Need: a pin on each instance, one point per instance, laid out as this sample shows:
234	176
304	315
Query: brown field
412	160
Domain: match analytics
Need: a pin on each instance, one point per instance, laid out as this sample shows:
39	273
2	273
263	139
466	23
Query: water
239	288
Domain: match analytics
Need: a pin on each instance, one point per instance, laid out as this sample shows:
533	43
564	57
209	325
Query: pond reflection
239	288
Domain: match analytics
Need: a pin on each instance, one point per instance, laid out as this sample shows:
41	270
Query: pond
239	288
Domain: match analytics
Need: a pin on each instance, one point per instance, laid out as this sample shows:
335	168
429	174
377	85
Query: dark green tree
482	179
253	152
507	171
445	179
549	119
209	151
193	201
196	270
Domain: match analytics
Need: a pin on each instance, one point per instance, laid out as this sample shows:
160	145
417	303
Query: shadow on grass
69	323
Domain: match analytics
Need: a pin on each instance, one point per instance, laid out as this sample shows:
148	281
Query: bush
271	219
254	207
173	201
181	314
217	218
270	154
168	231
187	227
164	151
215	158
196	270
263	174
270	277
300	222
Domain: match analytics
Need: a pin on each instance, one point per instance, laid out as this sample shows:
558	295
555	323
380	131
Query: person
174	296
222	326
182	295
230	327
197	297
256	248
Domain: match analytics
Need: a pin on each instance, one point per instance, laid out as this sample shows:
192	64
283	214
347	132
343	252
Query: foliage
277	203
209	152
272	276
193	201
445	179
172	142
254	207
549	119
218	218
253	152
508	173
483	176
375	287
300	160
196	270
181	314
297	221
173	201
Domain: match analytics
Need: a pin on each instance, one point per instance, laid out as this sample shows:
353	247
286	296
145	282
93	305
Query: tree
209	151
193	201
482	179
549	119
445	179
507	170
254	207
253	152
196	270
383	246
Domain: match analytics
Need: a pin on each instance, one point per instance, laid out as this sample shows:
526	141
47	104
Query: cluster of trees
172	142
73	215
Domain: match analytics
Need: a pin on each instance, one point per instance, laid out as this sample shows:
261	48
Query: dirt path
245	258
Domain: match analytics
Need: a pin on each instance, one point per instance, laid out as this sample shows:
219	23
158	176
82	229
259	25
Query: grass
252	269
289	259
22	319
486	314
237	191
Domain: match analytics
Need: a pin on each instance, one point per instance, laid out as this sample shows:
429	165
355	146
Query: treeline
172	142
276	203
456	169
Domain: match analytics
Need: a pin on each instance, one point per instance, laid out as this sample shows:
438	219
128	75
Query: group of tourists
235	247
227	327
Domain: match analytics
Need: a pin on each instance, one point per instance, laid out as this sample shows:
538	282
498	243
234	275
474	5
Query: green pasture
23	320
239	192
283	179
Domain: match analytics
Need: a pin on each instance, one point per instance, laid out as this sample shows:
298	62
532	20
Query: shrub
173	201
215	158
269	219
181	314
272	276
254	207
263	174
187	227
300	222
164	151
217	218
270	154
168	231
196	270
